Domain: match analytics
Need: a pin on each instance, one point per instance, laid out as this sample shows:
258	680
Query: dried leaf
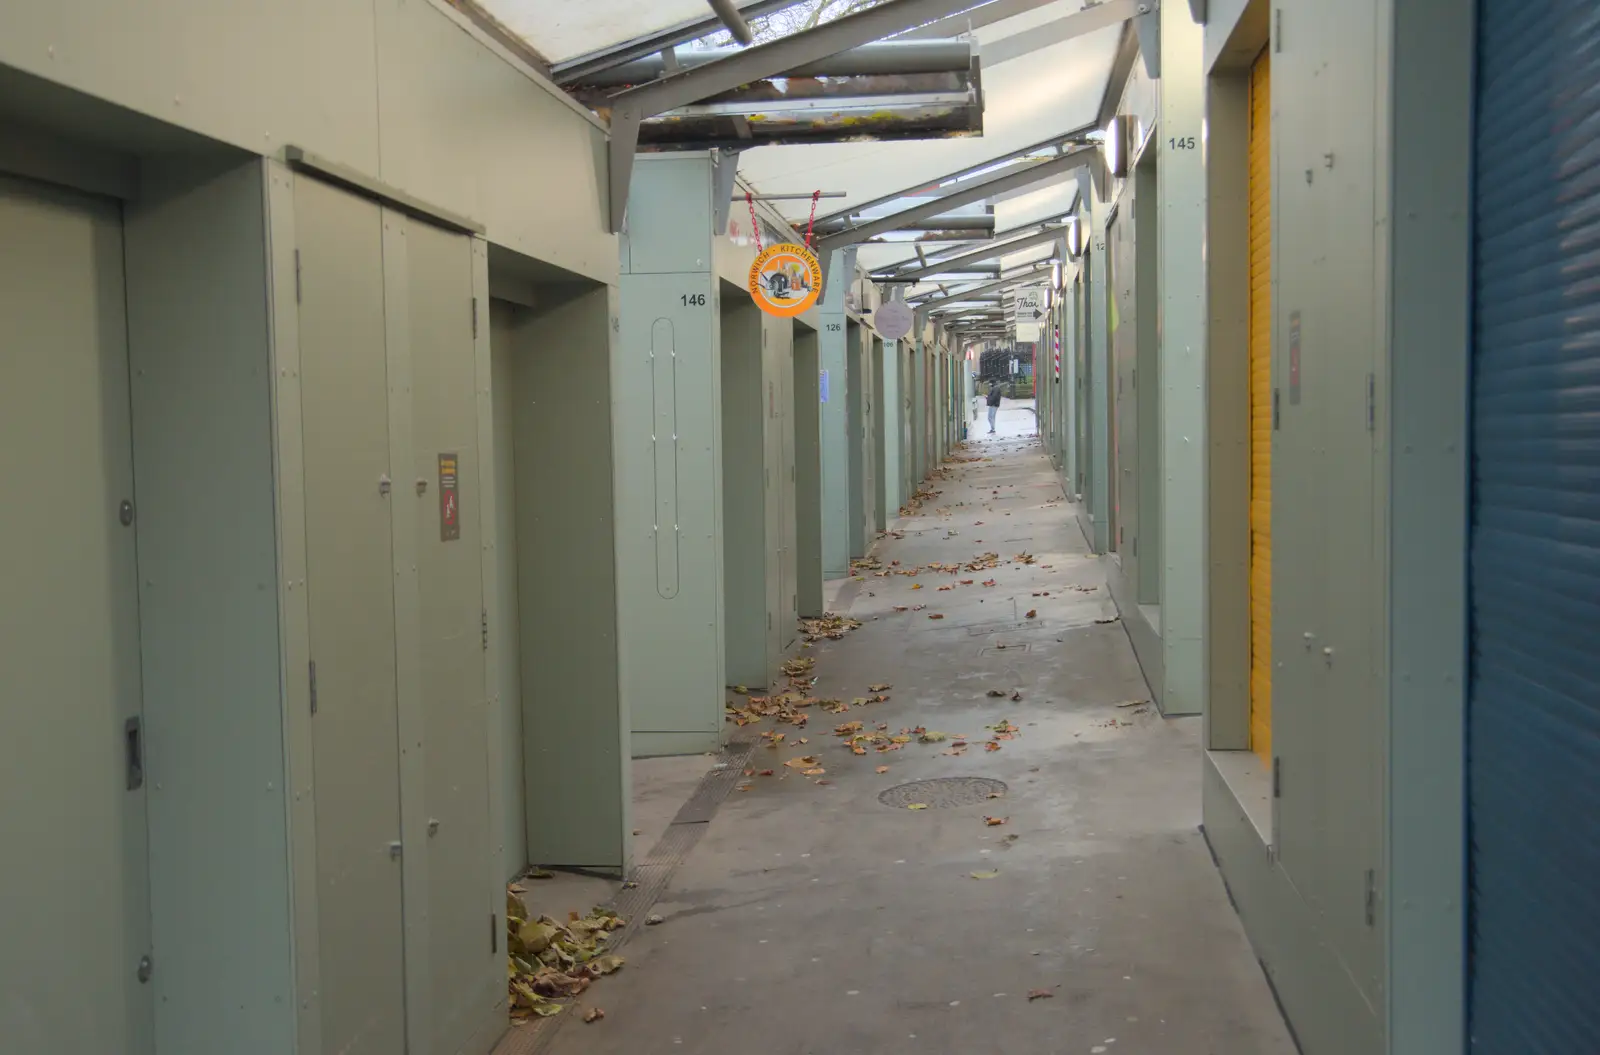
1040	994
883	769
984	875
541	873
935	615
594	1014
997	693
764	773
879	688
995	822
1033	613
815	771
991	746
1017	695
1132	703
652	920
917	806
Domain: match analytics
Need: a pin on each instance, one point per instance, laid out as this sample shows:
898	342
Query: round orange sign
785	280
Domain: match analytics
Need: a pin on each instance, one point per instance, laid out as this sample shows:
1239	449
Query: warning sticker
449	499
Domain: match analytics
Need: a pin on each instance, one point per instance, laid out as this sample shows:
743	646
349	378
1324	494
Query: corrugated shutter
1261	408
1534	695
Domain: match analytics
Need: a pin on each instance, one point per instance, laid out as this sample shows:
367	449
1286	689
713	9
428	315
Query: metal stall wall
1533	752
668	427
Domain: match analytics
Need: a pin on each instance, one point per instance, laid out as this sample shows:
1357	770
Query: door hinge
483	624
297	276
1372	403
494	932
1277	414
1277	30
312	676
1136	545
474	318
1277	777
1371	900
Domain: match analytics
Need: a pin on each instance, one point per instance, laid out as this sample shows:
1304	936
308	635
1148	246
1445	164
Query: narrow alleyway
830	909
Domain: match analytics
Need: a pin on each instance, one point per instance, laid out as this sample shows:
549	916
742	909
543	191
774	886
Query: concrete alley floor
814	918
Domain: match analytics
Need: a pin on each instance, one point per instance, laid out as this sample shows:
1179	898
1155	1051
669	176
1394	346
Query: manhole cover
943	792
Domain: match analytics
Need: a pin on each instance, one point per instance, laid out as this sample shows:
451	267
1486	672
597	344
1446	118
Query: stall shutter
1261	407
1533	754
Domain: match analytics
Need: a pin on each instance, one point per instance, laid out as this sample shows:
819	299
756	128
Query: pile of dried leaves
829	626
549	961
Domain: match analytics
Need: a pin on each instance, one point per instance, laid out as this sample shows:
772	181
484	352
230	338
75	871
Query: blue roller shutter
1534	694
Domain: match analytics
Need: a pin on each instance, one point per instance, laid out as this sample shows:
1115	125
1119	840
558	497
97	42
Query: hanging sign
892	320
785	280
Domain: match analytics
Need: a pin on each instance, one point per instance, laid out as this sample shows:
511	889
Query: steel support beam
988	252
1060	143
576	69
978	15
631	107
730	16
976	190
1063	29
928	307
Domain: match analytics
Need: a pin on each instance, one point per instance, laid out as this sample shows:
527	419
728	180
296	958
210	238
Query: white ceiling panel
564	29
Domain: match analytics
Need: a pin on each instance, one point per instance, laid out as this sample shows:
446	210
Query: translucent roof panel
564	29
1028	99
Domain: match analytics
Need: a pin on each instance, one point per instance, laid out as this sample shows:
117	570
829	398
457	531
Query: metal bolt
422	485
384	484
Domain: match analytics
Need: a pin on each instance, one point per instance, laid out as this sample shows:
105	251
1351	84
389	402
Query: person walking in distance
995	395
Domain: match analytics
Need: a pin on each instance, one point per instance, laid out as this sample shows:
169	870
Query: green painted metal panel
505	618
668	427
858	422
746	483
883	406
464	976
891	387
834	382
807	474
69	636
575	725
199	343
351	602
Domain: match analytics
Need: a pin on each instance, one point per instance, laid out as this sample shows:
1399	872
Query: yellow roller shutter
1261	408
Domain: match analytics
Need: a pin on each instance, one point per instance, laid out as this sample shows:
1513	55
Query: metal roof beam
576	69
1074	138
631	107
928	307
731	17
988	252
976	15
977	190
1061	30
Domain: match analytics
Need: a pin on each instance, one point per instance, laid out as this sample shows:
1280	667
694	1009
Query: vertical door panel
350	597
76	917
1533	701
463	985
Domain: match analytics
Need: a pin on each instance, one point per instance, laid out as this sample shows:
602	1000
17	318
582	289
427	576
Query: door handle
133	748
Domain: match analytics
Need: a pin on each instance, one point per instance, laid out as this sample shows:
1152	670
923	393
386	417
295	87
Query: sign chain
815	196
755	225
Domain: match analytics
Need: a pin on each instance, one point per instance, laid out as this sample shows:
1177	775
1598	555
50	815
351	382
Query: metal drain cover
943	792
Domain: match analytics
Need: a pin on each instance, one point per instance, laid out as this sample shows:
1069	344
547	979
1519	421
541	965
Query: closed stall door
1533	756
350	597
463	982
1260	234
75	921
